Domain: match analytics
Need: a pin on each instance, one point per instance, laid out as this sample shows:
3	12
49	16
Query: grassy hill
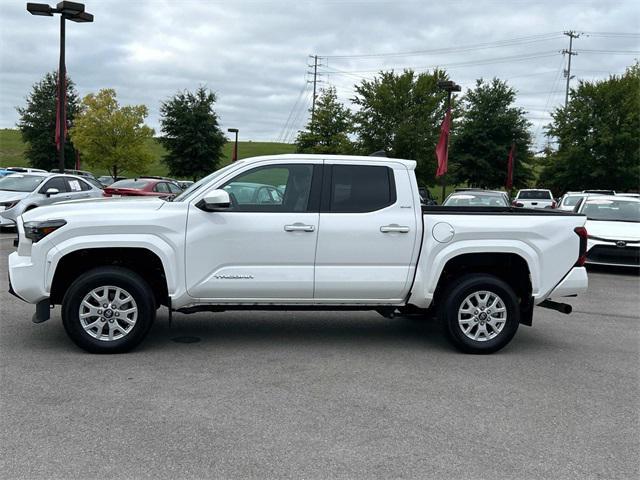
12	152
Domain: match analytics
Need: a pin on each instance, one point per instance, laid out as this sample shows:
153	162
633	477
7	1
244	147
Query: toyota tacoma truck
285	232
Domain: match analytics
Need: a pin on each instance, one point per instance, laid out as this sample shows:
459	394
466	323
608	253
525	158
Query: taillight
553	204
582	254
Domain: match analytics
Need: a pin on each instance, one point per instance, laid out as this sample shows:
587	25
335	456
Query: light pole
234	156
449	86
68	11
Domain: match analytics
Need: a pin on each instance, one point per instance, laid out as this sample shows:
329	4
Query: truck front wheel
480	313
108	310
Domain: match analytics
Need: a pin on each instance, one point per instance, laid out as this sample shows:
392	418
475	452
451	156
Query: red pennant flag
61	111
442	149
510	160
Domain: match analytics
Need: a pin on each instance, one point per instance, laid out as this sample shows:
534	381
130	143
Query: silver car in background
20	192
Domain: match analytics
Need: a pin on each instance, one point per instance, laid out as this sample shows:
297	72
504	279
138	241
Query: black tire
119	277
453	300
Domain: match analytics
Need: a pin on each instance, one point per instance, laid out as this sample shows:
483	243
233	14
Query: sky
254	54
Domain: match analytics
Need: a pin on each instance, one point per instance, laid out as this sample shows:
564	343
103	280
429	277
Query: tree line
594	140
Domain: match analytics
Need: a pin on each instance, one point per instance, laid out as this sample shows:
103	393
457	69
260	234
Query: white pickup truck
296	232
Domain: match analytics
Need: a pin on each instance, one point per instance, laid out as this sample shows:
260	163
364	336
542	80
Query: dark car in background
142	187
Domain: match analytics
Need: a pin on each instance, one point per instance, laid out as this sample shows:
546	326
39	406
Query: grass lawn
12	155
12	152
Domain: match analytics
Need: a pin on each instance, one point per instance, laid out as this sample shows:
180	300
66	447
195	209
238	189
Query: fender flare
168	254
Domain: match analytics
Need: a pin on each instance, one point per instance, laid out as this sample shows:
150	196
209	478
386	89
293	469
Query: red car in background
142	187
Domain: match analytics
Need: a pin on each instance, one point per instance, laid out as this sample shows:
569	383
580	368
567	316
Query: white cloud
253	54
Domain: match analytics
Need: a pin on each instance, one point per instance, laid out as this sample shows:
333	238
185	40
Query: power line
487	61
465	48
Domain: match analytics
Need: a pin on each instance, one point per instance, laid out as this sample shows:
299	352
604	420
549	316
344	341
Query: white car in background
534	198
21	192
613	225
570	200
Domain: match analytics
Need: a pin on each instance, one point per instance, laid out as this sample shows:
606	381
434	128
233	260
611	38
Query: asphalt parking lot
326	395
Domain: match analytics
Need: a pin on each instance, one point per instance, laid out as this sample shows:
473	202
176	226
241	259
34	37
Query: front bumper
613	253
575	283
25	279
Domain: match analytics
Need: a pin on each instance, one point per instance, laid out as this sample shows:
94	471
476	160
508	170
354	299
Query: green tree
112	137
598	136
401	114
488	126
328	129
37	122
191	134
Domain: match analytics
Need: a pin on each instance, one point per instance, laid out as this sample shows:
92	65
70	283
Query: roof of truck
410	164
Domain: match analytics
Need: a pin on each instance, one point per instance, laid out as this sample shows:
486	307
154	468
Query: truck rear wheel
480	313
108	310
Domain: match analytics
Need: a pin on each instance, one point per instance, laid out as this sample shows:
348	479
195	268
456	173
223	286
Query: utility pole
567	73
315	81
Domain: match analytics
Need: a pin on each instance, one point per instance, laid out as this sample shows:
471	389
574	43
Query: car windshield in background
20	183
136	184
475	200
612	210
535	195
572	200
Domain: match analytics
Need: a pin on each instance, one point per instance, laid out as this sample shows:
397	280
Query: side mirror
215	201
51	191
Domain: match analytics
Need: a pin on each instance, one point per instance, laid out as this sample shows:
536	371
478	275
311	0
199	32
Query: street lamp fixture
73	11
234	156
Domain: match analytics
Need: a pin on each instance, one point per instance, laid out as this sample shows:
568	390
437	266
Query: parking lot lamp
68	11
234	155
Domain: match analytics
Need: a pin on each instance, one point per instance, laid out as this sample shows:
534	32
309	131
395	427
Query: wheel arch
510	267
141	260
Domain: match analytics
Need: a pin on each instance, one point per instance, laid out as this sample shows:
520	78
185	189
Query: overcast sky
254	54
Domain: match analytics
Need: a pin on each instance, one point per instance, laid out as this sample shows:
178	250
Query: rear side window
161	187
361	188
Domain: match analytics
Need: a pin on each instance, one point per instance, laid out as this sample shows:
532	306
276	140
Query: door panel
365	256
263	249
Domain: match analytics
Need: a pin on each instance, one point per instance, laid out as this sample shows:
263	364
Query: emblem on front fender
233	277
621	244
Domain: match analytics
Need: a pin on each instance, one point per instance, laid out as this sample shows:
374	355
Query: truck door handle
299	227
394	228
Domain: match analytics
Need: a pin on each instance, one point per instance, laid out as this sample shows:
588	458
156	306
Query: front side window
276	188
361	188
59	183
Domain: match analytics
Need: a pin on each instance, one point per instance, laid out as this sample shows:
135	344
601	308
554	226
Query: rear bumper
575	283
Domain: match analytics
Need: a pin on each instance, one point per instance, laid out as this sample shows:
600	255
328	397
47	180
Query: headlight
8	205
36	231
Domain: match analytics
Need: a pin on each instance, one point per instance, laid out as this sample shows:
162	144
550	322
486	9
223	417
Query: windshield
473	200
571	200
130	184
535	195
612	210
187	193
20	183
